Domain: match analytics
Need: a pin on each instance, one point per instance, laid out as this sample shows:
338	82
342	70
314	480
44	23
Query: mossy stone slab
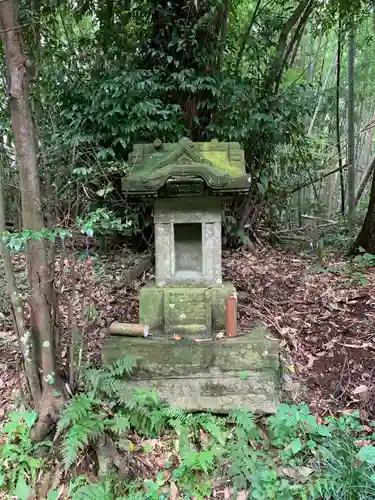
242	371
191	310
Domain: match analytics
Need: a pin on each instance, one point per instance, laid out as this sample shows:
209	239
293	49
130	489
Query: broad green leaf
367	454
296	446
22	490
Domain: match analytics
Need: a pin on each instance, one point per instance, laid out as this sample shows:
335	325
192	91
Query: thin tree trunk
365	178
23	334
246	37
20	73
320	100
351	131
366	237
338	136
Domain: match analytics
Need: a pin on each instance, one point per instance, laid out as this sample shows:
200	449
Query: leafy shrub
19	467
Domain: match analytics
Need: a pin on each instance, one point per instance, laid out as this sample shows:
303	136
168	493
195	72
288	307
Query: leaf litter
325	326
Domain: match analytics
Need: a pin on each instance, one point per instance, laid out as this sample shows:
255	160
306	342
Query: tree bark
366	238
338	136
365	178
20	74
351	131
23	334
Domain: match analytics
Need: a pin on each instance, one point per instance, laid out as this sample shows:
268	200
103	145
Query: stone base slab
190	311
217	375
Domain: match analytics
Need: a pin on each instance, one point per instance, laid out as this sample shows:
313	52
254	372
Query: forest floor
324	315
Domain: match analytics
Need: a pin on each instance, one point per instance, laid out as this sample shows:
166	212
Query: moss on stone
219	160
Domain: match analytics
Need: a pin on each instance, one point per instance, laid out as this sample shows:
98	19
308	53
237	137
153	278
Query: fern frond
117	389
244	418
94	491
79	436
79	408
216	431
124	366
119	424
176	414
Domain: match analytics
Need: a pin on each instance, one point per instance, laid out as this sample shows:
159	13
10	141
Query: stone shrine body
186	182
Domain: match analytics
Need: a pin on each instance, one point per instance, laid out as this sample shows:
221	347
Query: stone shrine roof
186	168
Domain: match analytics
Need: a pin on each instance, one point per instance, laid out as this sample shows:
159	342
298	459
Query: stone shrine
187	358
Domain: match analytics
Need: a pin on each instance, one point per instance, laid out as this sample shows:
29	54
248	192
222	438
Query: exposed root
49	409
108	455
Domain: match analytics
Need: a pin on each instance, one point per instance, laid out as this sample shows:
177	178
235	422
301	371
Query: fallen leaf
360	389
177	337
242	495
363	442
311	361
228	493
174	493
160	462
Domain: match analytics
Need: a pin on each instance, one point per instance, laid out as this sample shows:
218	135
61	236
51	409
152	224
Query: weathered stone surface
187	310
186	168
240	371
188	296
188	241
257	393
151	307
219	294
169	358
191	311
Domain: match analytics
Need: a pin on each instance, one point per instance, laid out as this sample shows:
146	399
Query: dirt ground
325	320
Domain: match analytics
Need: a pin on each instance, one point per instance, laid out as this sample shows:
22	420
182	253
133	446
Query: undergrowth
290	454
354	270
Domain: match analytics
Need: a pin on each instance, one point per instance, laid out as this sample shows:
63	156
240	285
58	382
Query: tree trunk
23	334
365	178
351	131
366	238
338	136
20	73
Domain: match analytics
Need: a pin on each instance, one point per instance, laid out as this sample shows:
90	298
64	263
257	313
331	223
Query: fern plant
85	419
109	382
19	467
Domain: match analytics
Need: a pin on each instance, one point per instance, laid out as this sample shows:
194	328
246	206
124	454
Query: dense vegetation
291	454
84	81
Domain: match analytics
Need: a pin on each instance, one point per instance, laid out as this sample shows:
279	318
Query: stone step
219	394
242	371
163	357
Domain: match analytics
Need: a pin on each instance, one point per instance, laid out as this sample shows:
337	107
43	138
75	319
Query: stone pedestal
217	375
191	311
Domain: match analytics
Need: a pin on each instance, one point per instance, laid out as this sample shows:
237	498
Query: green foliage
354	270
349	479
108	381
19	467
103	221
16	241
85	420
288	455
80	489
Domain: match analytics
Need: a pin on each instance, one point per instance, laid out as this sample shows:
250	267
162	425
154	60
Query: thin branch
17	27
246	37
278	59
315	179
